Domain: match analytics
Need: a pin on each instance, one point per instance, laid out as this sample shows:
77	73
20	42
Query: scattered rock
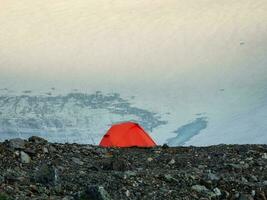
16	143
38	140
127	193
129	173
63	171
77	161
149	159
213	177
201	166
11	176
17	153
199	188
68	198
244	180
235	166
29	151
2	180
217	191
46	175
95	193
253	178
245	197
24	157
45	150
169	178
52	149
203	190
172	161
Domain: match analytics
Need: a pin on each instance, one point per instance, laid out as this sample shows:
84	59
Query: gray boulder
16	143
24	157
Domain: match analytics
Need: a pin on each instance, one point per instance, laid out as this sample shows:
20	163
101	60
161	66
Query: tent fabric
127	134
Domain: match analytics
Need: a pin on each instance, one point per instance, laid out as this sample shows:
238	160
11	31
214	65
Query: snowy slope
74	117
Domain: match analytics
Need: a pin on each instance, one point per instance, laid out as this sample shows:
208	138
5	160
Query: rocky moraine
37	169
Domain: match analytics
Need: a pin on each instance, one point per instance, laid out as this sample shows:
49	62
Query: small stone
129	173
24	157
96	193
235	166
246	166
213	177
226	194
52	149
202	189
199	188
253	193
38	140
68	198
2	179
192	177
169	178
16	143
172	161
264	156
201	166
135	184
45	150
77	161
149	159
253	178
127	193
264	183
33	188
82	172
17	153
217	191
108	155
244	180
249	158
237	195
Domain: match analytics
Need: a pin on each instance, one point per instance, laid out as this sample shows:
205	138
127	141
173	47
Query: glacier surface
74	117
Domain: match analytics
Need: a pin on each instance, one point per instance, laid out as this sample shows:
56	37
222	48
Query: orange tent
127	134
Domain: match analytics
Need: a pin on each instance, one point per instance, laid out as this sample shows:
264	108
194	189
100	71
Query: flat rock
16	143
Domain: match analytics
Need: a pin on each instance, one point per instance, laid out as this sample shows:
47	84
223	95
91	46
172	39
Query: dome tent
126	134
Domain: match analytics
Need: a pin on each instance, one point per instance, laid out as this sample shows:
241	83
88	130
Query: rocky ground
37	169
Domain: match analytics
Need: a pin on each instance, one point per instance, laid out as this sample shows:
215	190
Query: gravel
36	169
